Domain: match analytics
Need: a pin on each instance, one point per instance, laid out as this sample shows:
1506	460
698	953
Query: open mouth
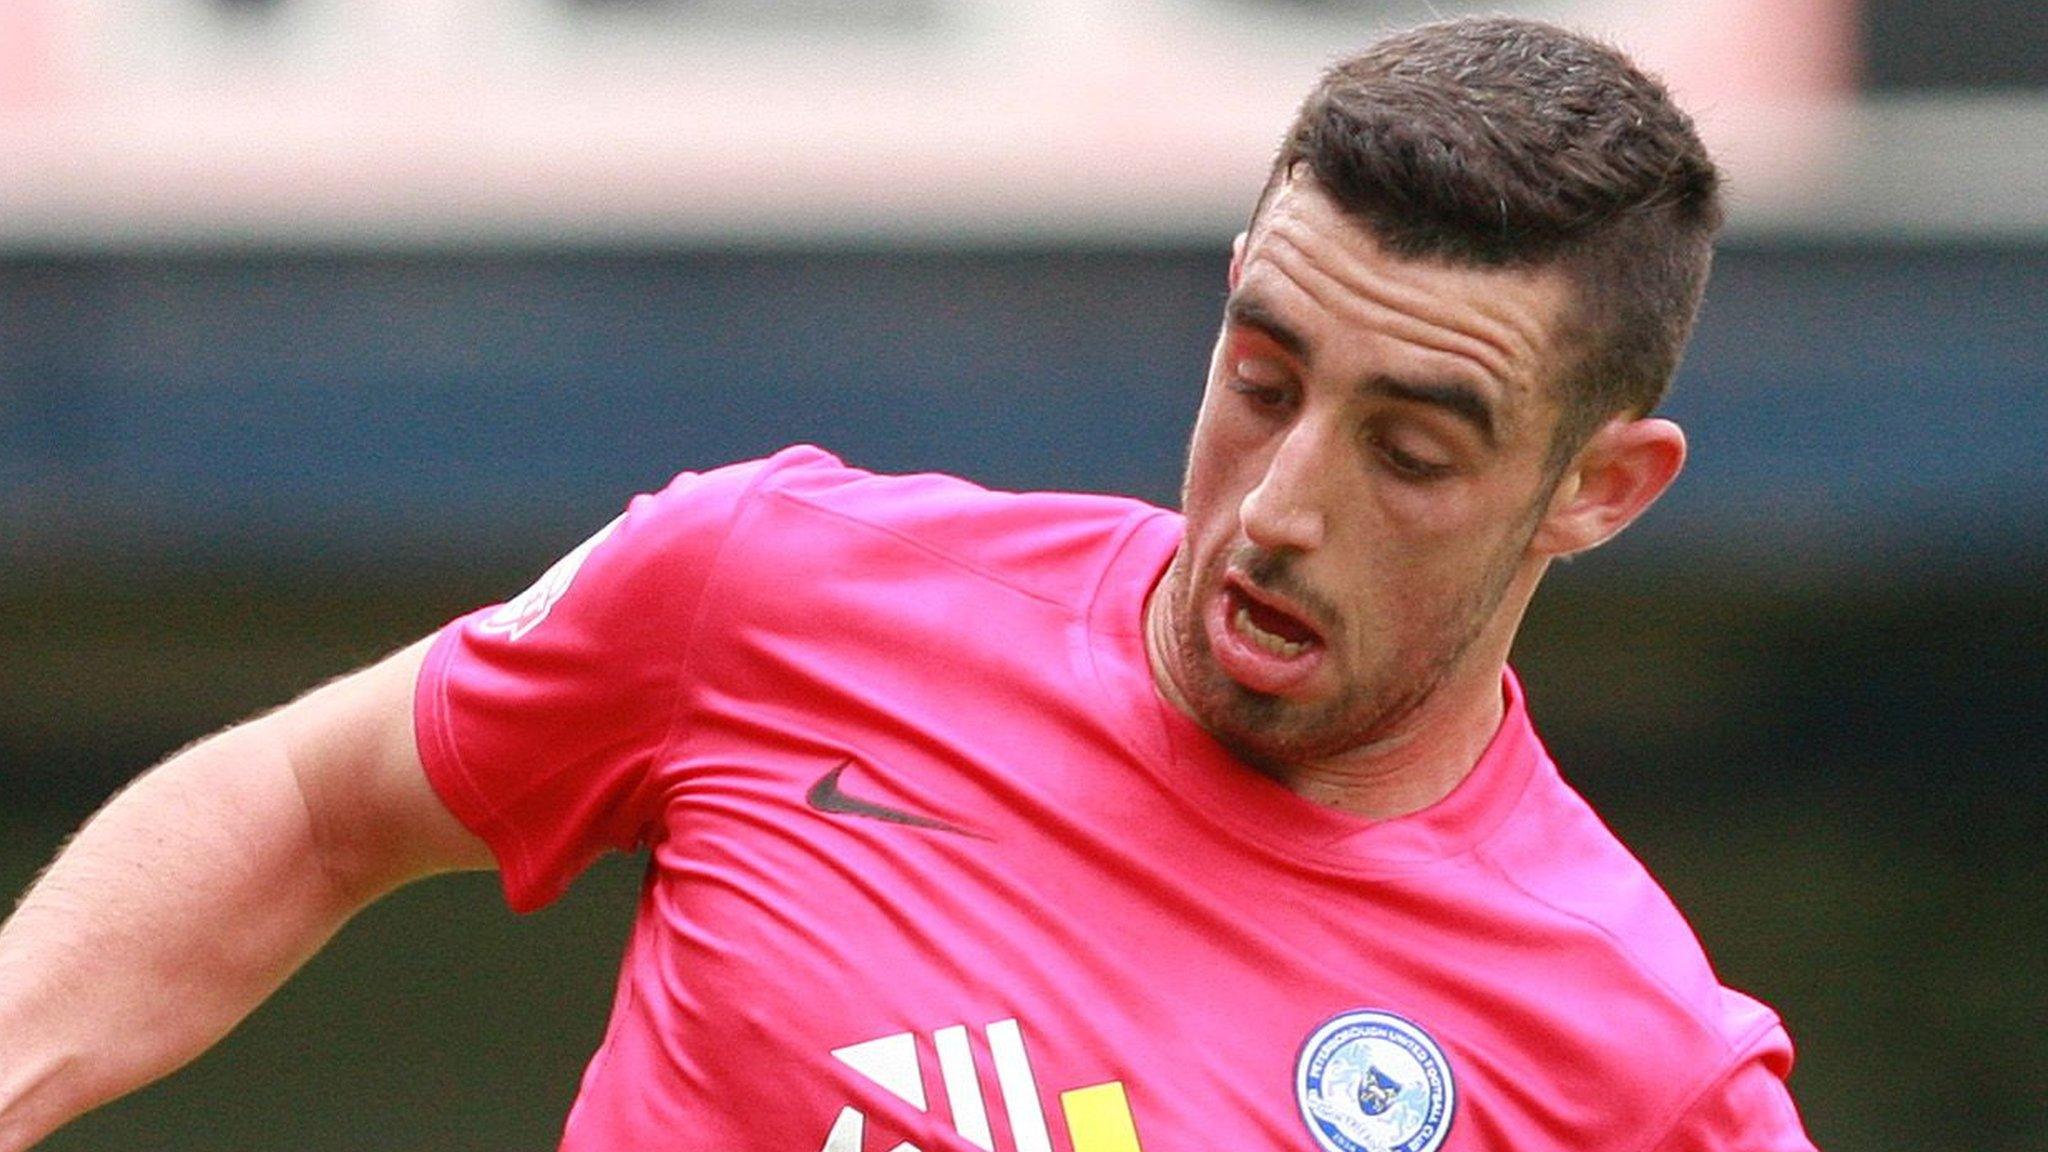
1268	628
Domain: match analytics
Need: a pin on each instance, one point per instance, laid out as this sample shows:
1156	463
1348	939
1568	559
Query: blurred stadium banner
153	123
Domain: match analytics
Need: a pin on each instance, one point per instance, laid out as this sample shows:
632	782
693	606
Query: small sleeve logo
1371	1081
523	613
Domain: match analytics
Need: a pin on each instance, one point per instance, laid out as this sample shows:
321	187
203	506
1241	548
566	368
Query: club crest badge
1372	1082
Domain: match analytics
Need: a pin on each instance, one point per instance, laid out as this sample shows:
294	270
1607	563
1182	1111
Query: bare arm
202	886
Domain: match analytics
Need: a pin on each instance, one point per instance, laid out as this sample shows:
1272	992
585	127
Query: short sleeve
541	722
1749	1108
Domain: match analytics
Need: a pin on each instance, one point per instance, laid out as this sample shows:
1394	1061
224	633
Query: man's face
1366	474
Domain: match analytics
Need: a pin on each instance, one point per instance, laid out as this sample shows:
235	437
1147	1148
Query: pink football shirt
933	868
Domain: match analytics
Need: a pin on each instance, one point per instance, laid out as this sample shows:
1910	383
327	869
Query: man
983	821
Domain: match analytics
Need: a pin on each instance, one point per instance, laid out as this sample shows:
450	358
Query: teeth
1277	645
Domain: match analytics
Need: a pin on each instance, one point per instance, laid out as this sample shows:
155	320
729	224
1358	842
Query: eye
1260	396
1407	462
1263	383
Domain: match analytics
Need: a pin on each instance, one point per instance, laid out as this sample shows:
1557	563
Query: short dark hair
1503	142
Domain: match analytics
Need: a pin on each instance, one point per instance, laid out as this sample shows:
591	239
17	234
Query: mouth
1261	641
1271	628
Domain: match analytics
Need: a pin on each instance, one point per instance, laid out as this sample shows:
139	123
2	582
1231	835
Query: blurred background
322	322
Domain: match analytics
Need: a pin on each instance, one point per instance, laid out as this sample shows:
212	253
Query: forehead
1348	304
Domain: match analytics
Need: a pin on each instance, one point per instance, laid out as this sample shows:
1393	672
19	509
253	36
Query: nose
1284	510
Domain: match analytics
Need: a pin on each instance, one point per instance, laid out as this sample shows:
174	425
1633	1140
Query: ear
1618	474
1236	260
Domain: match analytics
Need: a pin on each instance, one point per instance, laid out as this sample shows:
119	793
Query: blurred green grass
436	1020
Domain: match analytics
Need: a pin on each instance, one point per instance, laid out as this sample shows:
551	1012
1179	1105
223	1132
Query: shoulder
1626	947
652	558
805	509
1561	853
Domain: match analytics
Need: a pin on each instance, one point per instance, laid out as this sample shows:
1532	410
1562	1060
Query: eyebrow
1459	399
1251	312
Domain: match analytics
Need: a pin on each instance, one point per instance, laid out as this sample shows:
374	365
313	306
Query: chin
1271	733
1274	734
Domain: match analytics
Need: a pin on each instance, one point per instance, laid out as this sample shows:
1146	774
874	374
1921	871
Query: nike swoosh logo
827	796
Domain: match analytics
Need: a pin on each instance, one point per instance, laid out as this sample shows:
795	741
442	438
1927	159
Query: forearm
172	914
